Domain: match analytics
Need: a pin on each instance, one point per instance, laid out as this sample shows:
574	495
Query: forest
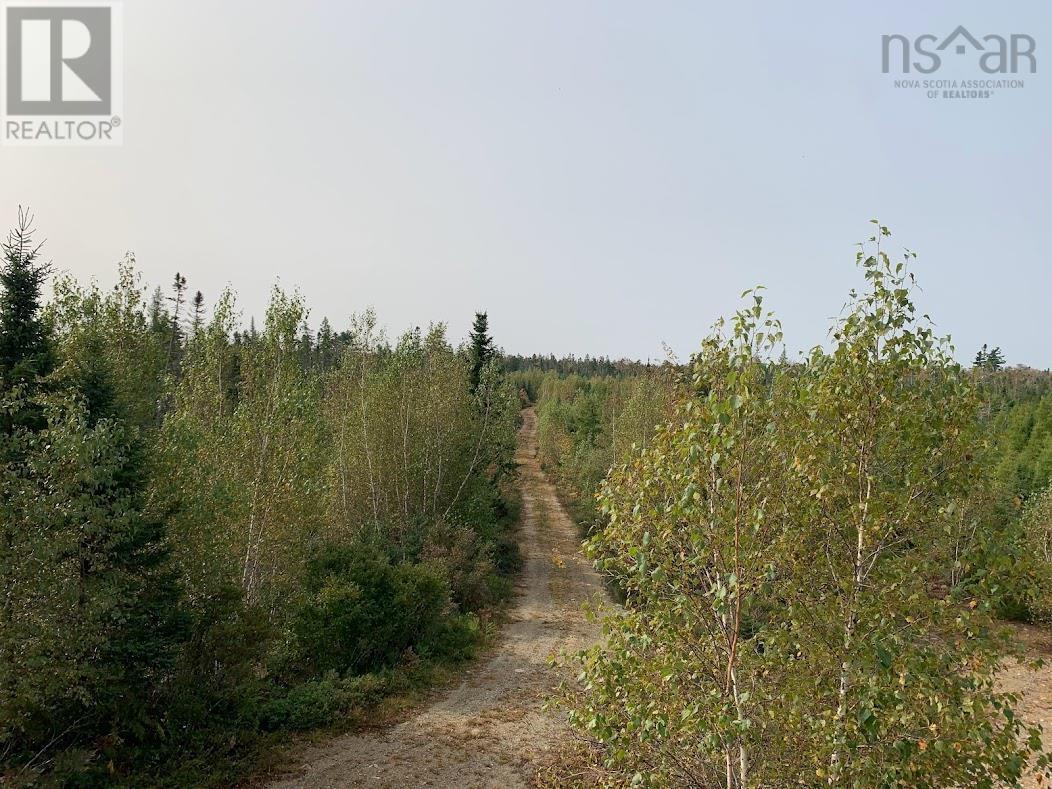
216	535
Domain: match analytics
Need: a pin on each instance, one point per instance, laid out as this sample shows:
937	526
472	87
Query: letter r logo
59	60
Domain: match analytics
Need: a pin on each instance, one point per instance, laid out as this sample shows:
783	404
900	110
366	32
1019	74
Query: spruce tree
995	360
128	596
26	355
90	611
157	316
481	350
326	345
980	359
197	318
175	345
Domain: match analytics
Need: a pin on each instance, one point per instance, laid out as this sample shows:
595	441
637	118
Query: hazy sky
602	177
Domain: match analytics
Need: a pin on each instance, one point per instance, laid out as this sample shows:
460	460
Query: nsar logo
995	54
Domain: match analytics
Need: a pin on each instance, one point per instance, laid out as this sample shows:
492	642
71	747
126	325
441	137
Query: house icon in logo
960	49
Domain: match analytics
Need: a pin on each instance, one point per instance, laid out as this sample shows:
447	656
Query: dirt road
1033	687
491	730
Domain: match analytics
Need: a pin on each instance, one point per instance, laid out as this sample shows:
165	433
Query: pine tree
980	359
481	350
197	317
326	345
995	360
90	617
176	330
26	355
157	315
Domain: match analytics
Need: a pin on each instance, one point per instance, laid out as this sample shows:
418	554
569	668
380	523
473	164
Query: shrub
362	612
454	638
466	562
218	682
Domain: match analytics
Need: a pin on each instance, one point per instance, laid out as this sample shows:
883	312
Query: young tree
26	358
122	326
175	340
198	315
91	607
157	315
326	345
481	350
777	542
26	353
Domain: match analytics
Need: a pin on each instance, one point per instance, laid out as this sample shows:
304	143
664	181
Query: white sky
601	177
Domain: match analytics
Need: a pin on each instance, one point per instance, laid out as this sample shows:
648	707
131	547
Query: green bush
453	639
469	564
362	612
217	678
320	702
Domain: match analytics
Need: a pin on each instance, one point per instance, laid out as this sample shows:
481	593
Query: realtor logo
62	73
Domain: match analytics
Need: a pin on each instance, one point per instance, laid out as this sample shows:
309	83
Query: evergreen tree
326	345
989	360
157	315
97	602
198	316
90	616
980	359
176	330
995	360
481	350
26	355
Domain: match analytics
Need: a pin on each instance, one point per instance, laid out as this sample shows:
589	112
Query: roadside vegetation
212	533
814	555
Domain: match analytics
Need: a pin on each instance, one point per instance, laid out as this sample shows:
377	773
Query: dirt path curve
491	730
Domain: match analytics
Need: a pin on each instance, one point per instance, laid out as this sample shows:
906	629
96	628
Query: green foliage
26	352
319	702
362	612
480	349
112	327
1021	461
1027	579
987	360
25	349
781	542
535	366
200	524
95	623
588	425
